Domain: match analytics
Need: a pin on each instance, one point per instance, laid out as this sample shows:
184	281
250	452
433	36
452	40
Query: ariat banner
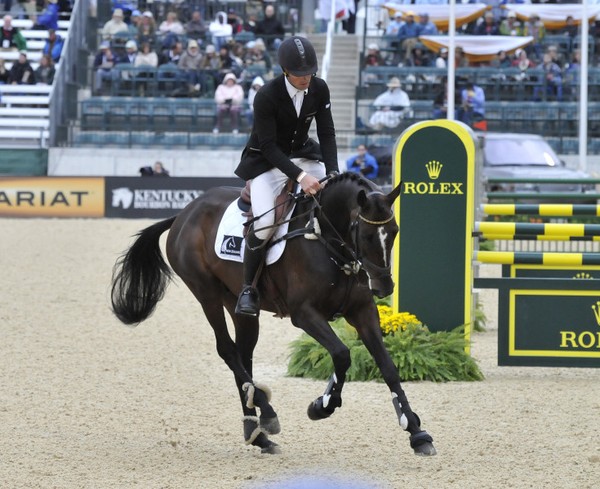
52	197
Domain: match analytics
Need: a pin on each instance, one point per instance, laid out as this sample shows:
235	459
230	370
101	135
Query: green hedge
417	353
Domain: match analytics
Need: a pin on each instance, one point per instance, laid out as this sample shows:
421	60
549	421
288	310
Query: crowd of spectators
227	58
44	17
549	69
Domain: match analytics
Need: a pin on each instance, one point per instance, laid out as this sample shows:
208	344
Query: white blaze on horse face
382	239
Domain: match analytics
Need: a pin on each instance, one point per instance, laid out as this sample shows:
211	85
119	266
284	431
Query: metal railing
71	74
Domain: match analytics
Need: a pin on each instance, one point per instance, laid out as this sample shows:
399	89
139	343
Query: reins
345	255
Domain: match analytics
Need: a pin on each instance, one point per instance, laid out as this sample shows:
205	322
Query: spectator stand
25	109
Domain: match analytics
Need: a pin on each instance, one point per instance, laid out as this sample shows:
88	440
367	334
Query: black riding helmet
297	57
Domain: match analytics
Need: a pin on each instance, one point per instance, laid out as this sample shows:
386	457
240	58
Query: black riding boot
249	302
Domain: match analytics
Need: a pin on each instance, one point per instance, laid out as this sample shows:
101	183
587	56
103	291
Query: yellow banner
52	197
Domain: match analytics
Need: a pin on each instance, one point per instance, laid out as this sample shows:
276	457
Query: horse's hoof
422	444
270	425
425	450
316	410
271	449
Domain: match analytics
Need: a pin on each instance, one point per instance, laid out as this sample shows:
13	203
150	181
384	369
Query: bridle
374	271
376	223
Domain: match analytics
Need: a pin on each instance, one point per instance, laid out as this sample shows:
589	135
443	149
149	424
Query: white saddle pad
230	244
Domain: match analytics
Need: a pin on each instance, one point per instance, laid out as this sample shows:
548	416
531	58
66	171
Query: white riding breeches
265	188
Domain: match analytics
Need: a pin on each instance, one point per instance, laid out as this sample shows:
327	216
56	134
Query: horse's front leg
366	321
319	329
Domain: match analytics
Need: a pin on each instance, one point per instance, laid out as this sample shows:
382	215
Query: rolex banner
435	161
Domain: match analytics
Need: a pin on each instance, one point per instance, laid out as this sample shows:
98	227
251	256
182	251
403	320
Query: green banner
435	160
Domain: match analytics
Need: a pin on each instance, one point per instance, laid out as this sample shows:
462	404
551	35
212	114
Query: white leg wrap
257	431
251	388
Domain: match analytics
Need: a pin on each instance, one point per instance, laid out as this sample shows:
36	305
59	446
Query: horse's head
375	231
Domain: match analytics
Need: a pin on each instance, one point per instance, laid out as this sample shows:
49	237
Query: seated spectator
131	53
255	86
220	30
134	22
419	56
257	56
211	63
557	57
472	106
48	19
196	28
146	57
234	21
373	56
270	28
511	26
44	73
390	107
249	25
11	38
442	58
407	36
488	27
171	55
229	97
227	63
425	26
191	63
157	170
535	28
146	28
54	45
363	163
170	29
502	60
114	25
21	72
4	73
394	26
524	64
551	83
570	30
104	62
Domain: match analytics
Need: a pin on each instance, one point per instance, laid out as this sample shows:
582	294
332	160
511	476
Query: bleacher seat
24	114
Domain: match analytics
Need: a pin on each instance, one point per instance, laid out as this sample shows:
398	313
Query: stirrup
248	303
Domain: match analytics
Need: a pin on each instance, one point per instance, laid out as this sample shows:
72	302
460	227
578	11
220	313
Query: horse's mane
352	177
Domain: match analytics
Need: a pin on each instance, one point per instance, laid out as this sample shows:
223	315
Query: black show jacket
278	134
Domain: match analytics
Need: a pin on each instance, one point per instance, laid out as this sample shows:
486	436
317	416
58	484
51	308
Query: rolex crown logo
434	168
596	309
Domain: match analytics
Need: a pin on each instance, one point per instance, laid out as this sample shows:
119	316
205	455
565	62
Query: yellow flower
391	322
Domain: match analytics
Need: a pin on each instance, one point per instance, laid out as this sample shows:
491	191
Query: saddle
283	203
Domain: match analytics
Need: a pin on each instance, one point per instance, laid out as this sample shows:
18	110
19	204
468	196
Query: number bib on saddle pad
229	243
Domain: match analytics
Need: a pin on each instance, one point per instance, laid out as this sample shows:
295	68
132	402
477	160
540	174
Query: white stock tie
298	99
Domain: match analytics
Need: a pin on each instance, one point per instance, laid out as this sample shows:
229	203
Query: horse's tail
140	276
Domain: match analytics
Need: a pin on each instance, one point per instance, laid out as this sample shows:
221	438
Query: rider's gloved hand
310	185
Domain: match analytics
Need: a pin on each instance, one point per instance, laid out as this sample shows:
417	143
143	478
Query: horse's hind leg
252	394
367	325
238	358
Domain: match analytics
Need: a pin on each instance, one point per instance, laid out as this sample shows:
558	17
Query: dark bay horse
314	281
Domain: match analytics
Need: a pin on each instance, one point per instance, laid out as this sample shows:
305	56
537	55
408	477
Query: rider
279	149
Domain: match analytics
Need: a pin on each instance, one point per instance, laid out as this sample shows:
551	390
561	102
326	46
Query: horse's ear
361	198
393	195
